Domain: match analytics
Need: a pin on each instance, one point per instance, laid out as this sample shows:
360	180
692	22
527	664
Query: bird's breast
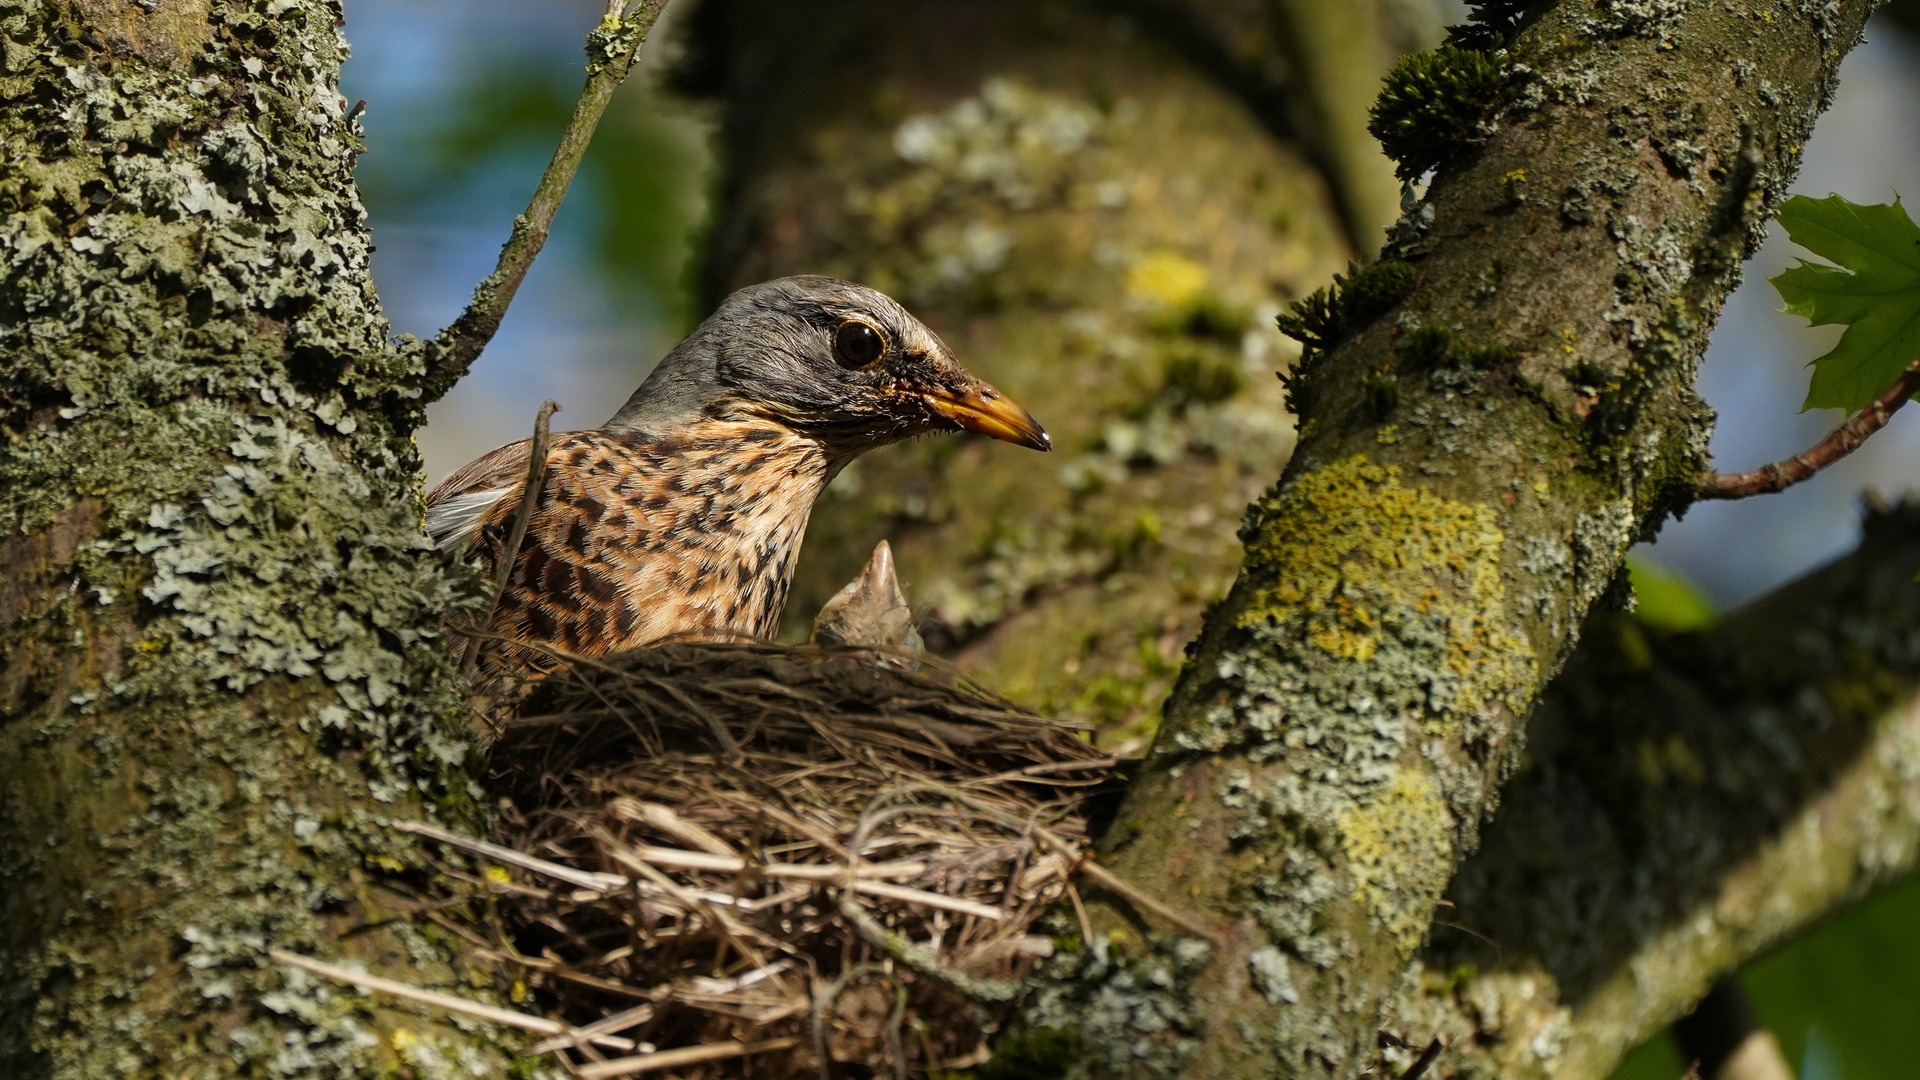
637	540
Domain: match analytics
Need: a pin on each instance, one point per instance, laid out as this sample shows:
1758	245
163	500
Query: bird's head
834	360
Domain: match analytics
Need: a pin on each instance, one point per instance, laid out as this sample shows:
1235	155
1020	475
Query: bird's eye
857	345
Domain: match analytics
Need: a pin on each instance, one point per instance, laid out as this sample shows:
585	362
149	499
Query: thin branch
685	1055
1427	1057
611	51
448	1002
1845	440
922	958
606	1025
1113	883
825	874
602	883
529	496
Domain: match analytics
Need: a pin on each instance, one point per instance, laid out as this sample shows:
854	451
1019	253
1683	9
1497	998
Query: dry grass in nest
772	857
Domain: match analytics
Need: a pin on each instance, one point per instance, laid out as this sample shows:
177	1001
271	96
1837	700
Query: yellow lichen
1167	278
1395	842
1355	560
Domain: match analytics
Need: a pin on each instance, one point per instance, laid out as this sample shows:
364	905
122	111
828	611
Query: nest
751	860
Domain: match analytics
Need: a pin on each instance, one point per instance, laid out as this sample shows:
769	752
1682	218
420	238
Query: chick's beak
979	407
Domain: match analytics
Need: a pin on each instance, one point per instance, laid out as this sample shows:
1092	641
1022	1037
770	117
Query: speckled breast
637	540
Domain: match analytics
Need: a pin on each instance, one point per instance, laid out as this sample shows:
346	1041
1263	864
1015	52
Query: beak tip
989	413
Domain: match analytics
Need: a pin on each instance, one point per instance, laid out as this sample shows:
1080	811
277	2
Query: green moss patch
1435	105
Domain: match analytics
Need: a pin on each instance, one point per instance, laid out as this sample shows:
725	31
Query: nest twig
828	863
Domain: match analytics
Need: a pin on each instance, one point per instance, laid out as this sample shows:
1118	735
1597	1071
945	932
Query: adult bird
680	517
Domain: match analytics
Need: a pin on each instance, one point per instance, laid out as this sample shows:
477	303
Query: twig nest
804	852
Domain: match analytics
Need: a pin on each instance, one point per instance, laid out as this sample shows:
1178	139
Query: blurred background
466	98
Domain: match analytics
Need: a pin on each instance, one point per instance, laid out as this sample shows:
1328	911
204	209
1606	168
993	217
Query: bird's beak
979	407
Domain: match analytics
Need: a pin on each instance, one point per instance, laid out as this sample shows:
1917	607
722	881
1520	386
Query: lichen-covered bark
1097	225
219	620
1496	413
1690	802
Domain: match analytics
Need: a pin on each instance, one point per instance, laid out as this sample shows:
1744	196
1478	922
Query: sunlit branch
611	50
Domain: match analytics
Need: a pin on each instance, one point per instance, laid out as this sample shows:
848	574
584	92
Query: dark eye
857	345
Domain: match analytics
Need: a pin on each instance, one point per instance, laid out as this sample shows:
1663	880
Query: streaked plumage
681	517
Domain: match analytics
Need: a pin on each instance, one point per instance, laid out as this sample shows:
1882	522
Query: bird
871	611
679	518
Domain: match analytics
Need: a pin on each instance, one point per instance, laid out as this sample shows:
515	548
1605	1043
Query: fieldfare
679	519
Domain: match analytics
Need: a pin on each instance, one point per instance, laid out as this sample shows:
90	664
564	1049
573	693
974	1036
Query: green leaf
1667	600
1875	292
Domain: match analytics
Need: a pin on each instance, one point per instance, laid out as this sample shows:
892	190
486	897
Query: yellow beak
983	409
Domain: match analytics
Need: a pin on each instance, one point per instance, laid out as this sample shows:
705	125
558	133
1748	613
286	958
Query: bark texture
1690	803
220	616
1494	415
1097	225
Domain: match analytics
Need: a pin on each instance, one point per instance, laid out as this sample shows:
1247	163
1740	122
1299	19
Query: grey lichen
1272	975
1125	999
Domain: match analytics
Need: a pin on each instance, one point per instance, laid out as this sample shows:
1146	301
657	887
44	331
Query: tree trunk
222	655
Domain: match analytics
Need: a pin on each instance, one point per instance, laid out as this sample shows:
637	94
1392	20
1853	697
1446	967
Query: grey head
836	361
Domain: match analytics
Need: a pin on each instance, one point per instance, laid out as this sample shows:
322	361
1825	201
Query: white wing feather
453	522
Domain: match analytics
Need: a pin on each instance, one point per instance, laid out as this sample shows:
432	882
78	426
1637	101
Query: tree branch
1693	803
1844	440
1493	413
611	50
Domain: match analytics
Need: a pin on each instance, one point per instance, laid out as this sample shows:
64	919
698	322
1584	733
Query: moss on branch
1437	104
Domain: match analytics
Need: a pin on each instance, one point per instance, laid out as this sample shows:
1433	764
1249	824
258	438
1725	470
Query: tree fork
1500	408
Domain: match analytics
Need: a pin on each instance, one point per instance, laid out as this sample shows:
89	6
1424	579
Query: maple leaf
1875	291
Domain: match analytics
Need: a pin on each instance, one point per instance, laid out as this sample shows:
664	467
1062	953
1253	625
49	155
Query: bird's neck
746	488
